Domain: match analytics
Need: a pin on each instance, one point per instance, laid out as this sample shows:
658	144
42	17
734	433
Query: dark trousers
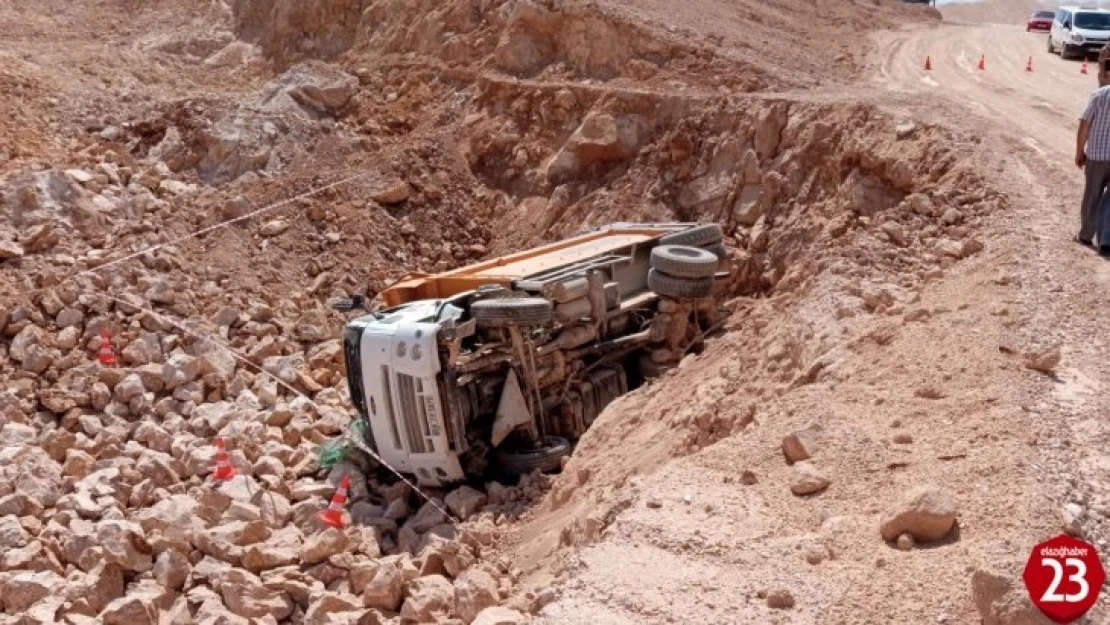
1096	202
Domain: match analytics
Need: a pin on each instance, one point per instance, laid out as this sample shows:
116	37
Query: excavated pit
812	197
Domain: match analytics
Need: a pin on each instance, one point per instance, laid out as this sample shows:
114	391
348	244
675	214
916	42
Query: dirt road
1017	446
1041	106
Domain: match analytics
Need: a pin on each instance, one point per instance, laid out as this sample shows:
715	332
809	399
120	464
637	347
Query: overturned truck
502	365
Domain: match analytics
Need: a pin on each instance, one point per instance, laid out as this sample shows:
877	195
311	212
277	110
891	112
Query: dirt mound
646	43
841	198
354	142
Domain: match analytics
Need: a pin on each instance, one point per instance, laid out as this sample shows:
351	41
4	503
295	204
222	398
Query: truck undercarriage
522	367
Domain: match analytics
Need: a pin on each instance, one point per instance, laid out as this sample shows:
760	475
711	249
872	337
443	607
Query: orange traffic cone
105	354
333	516
983	62
928	63
224	470
1083	70
1029	65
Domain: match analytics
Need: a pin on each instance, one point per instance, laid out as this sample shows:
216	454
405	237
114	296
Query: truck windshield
1092	21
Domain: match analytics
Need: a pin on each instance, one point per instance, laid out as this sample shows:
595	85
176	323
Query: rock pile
107	509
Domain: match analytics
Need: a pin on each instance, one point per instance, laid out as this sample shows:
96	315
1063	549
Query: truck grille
394	428
413	413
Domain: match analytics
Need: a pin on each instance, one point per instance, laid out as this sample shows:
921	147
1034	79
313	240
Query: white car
1079	31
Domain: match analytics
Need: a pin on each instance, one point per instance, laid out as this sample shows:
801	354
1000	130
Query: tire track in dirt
1040	105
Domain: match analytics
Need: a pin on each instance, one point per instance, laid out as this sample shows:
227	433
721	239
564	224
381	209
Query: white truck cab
1079	31
399	375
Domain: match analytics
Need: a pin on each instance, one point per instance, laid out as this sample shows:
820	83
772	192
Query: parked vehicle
504	364
1079	31
1041	21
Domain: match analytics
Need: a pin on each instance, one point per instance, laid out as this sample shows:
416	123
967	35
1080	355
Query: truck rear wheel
682	261
706	234
502	313
547	456
679	288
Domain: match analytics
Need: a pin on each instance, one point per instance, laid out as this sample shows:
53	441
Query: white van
1079	31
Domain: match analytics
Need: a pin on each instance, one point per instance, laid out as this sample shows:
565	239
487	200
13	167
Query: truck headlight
1076	38
416	352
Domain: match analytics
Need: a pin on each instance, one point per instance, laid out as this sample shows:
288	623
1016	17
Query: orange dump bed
505	269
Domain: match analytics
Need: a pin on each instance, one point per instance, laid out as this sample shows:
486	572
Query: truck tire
718	250
546	457
502	313
679	288
705	234
681	261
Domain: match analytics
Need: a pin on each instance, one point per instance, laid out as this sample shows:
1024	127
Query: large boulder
280	550
172	569
31	471
314	90
465	502
12	534
322	545
28	336
170	523
179	369
140	606
384	588
428	598
24	589
1000	601
601	138
129	388
102	585
475	590
247	597
925	512
808	479
226	542
334	608
124	543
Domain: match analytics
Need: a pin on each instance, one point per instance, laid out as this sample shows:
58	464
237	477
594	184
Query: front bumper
1090	46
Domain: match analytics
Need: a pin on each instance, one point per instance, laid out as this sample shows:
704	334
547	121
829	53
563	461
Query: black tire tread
698	236
679	288
502	313
718	250
683	261
546	460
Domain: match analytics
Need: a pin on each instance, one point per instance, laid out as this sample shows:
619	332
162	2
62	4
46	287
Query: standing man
1092	155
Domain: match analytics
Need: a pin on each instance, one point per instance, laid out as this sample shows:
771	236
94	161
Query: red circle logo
1064	576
